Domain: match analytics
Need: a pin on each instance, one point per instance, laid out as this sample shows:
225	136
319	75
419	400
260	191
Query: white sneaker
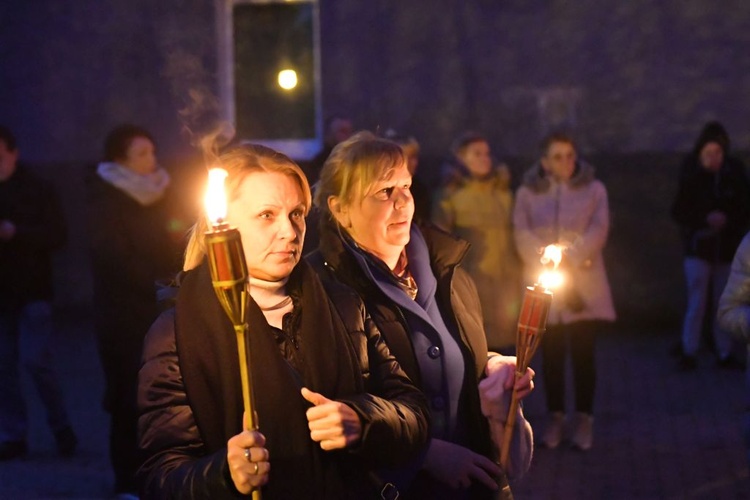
583	431
553	430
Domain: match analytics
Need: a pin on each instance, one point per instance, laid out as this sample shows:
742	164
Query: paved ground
659	434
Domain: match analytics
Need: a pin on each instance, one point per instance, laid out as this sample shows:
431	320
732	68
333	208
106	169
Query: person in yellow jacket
475	204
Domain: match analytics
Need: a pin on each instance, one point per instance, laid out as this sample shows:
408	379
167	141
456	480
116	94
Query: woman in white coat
560	202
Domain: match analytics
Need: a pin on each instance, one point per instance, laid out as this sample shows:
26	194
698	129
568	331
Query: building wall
625	76
634	81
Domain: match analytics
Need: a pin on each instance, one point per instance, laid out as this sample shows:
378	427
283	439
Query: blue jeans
25	336
699	273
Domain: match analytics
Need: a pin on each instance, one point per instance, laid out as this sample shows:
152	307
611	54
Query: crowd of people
383	311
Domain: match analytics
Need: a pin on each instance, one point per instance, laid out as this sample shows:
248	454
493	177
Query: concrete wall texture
633	81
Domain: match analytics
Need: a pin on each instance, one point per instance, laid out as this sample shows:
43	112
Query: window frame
299	149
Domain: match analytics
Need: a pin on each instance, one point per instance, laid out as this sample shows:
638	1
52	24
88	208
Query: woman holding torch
561	203
330	400
428	310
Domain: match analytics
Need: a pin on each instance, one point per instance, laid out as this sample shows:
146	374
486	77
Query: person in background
712	209
336	128
426	306
476	203
131	249
419	190
734	317
561	202
32	227
332	403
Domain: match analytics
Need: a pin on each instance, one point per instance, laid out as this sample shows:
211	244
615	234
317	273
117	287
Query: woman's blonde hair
239	163
353	166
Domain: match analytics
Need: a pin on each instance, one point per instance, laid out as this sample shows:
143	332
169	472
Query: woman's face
476	157
140	157
270	215
712	156
380	219
560	160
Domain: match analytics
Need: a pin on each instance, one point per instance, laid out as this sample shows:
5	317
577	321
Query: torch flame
216	198
551	278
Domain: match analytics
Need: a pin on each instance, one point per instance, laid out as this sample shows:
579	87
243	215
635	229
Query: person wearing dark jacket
332	403
32	227
131	248
427	308
712	209
336	128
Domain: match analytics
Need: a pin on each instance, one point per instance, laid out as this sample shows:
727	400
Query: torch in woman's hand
226	259
532	323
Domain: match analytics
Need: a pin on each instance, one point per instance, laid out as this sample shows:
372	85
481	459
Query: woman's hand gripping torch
532	323
226	258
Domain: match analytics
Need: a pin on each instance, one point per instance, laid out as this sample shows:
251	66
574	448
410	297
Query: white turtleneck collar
272	299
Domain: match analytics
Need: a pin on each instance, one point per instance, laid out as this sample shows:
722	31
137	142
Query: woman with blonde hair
332	403
426	307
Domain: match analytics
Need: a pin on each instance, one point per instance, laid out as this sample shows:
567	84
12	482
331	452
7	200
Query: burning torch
226	259
532	323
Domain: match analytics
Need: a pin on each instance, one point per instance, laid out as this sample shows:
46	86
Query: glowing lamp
287	79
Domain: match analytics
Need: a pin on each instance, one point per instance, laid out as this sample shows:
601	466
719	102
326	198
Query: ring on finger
247	454
255	471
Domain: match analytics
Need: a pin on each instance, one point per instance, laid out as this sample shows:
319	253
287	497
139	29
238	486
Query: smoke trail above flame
198	107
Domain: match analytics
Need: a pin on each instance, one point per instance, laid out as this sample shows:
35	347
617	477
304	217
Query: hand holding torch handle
532	322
